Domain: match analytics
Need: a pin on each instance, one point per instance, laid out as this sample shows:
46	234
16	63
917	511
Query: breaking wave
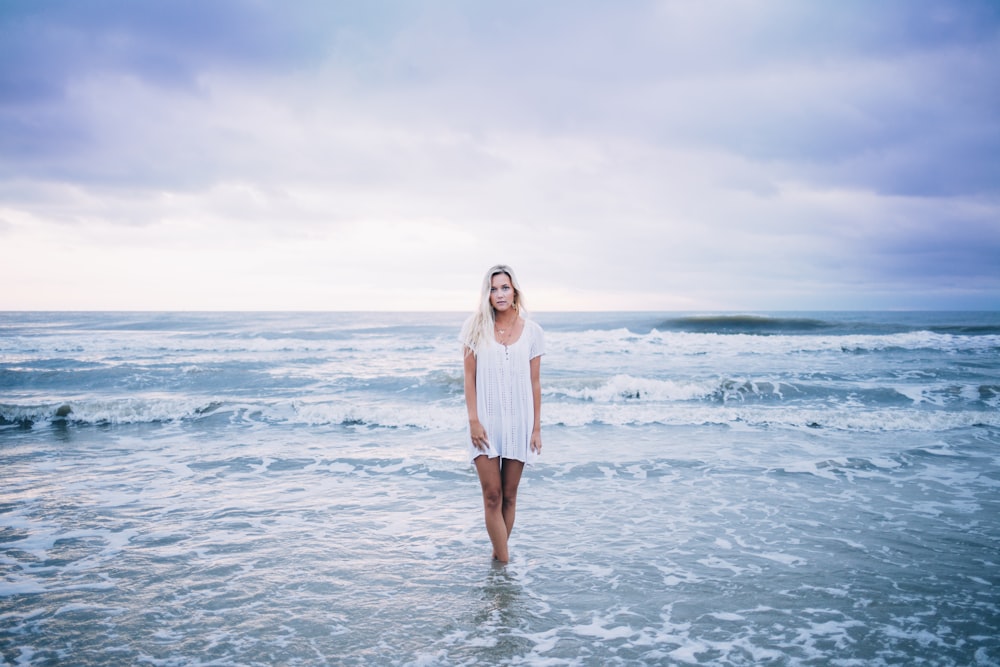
450	417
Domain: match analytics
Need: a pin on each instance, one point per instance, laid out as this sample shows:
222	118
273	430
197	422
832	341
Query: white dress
503	395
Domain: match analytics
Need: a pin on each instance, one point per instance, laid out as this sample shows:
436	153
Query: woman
503	395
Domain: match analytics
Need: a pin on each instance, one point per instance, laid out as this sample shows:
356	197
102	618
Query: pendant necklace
502	339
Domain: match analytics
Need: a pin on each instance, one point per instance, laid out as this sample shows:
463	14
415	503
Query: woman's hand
536	441
479	439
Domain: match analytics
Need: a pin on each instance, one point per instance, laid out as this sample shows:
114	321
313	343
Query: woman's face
501	292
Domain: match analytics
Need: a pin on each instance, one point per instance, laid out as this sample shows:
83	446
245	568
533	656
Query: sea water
292	489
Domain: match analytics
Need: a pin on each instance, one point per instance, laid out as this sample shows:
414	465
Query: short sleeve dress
503	395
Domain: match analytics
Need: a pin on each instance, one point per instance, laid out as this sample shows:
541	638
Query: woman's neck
505	320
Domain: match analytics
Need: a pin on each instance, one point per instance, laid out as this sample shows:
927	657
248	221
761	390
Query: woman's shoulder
533	329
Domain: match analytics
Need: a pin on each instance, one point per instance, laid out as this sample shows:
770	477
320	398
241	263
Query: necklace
503	338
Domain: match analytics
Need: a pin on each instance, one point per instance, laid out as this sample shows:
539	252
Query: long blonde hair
479	327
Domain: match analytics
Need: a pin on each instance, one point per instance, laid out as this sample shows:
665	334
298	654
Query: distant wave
966	330
849	324
744	324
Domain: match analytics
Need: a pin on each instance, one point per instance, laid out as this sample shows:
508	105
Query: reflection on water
500	598
502	618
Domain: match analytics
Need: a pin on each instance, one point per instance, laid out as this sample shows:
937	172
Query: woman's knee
509	492
509	501
493	497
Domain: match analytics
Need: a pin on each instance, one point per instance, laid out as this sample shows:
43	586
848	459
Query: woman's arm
536	398
476	429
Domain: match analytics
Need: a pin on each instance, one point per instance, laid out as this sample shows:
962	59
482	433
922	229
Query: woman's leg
490	480
510	478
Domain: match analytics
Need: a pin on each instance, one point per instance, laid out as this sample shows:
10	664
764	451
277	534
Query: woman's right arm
476	429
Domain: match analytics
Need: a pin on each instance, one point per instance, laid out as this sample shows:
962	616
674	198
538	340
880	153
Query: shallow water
225	491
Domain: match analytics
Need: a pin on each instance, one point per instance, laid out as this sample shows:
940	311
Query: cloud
749	154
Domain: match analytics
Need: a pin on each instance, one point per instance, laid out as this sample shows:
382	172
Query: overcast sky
676	154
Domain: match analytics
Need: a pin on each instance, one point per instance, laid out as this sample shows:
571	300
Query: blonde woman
503	396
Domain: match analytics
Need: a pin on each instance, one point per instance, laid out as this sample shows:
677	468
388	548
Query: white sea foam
449	416
623	341
868	420
783	558
622	388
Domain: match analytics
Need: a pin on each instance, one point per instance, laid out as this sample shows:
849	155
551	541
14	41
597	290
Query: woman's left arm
536	398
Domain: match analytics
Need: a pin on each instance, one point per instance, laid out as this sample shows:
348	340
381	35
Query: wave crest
163	410
745	324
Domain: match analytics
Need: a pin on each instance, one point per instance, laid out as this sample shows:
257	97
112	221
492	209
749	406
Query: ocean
291	489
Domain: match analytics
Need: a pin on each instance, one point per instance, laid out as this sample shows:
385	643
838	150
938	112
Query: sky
709	155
